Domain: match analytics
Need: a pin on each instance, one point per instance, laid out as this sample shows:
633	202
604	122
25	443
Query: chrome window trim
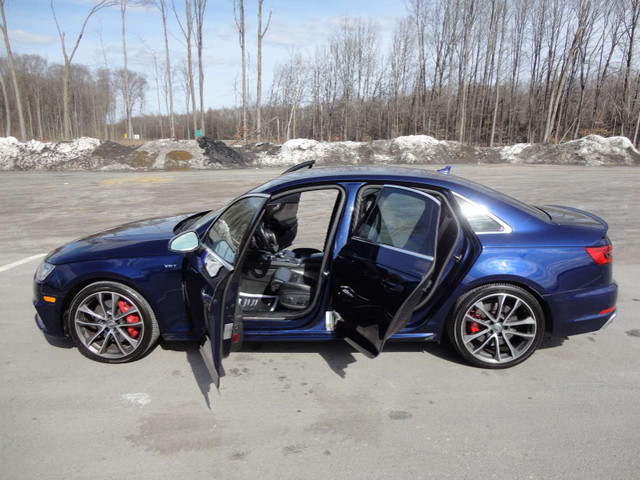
382	245
391	247
506	228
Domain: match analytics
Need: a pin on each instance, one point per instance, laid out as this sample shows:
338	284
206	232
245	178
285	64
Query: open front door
386	268
223	245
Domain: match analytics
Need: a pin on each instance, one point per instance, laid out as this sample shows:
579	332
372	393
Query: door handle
392	287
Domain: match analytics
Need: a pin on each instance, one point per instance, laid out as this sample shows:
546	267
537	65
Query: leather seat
289	285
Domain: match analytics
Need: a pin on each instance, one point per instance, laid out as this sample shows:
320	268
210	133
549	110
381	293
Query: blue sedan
361	254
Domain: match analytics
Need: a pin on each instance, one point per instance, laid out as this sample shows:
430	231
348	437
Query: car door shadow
198	367
337	355
340	355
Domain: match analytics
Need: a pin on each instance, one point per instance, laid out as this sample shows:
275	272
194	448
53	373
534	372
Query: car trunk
572	216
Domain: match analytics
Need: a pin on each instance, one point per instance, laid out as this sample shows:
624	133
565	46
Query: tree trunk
127	93
12	70
7	110
162	6
261	34
242	34
497	97
200	7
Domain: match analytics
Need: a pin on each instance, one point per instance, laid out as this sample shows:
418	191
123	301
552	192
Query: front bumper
48	315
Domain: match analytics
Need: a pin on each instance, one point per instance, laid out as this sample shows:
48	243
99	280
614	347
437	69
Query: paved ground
309	410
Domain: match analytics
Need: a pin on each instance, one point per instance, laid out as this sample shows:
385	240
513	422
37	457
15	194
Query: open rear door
386	268
223	245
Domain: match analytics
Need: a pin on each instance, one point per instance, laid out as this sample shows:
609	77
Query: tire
112	334
496	326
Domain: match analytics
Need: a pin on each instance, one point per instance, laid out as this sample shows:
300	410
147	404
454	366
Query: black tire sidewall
148	320
468	299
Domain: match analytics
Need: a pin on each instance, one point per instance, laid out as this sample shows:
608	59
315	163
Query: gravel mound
219	153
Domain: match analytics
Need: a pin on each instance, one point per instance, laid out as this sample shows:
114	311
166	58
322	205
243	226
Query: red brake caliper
474	327
124	308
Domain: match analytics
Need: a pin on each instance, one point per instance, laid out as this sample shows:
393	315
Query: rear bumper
584	310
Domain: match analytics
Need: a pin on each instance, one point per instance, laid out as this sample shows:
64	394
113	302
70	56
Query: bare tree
240	25
125	72
503	13
162	6
7	106
630	19
12	70
261	34
585	11
199	15
187	32
68	58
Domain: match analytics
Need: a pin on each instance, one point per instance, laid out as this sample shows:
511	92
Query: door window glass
226	233
402	219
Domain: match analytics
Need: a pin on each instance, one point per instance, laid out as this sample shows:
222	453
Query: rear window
402	219
479	218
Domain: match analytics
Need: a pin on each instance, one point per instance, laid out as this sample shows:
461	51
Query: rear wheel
112	323
496	326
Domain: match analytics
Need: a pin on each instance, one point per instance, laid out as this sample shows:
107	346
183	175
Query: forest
481	72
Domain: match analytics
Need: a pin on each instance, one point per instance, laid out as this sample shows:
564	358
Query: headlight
43	271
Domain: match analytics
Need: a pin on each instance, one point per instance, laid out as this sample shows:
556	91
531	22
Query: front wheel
112	323
496	326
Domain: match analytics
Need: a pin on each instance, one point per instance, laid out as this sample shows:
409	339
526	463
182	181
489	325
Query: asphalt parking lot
309	410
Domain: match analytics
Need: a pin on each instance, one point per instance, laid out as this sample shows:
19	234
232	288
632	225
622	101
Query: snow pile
166	154
512	153
411	149
35	155
595	150
301	150
591	151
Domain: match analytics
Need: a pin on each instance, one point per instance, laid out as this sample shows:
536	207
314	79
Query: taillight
600	255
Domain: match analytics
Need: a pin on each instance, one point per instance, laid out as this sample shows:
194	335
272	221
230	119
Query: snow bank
35	155
166	154
592	150
410	149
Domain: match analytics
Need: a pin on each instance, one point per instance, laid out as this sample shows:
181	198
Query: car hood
144	238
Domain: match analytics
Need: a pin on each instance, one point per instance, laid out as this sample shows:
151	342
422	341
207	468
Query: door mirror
185	242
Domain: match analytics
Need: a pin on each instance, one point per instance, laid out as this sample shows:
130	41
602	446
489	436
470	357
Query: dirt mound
218	152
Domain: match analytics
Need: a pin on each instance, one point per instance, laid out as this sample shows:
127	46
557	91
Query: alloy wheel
498	328
109	324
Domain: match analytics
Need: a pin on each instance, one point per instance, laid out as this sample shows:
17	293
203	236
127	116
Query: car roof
390	174
498	203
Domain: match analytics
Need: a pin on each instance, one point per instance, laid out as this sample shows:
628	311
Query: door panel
209	272
385	268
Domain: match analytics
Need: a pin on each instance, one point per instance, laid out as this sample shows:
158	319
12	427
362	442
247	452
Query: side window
479	218
402	219
226	233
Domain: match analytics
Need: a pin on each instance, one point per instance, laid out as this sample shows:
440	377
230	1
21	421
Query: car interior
281	270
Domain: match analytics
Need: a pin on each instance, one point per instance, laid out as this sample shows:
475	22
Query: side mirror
185	242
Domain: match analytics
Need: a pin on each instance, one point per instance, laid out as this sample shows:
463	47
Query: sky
296	26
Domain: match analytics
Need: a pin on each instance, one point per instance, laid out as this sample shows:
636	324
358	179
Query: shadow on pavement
339	355
198	367
59	342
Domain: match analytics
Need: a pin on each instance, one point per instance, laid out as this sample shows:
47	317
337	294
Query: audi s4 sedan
367	255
